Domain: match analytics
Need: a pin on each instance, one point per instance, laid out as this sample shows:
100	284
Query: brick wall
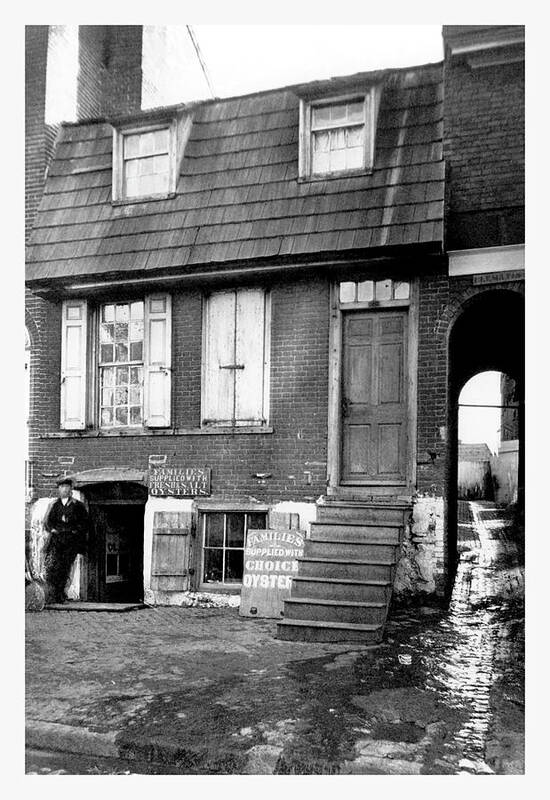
432	384
299	388
110	70
483	146
38	137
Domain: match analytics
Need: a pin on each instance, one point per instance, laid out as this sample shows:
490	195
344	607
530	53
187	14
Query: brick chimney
108	82
110	70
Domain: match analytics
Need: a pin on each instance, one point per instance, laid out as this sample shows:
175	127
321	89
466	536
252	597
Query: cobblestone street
202	690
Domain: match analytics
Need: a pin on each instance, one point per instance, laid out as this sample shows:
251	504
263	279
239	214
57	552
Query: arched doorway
488	336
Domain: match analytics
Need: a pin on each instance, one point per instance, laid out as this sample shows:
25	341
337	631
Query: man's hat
62	481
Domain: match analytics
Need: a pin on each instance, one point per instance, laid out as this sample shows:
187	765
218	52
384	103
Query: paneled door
373	397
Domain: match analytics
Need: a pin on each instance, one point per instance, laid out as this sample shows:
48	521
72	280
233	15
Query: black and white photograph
274	503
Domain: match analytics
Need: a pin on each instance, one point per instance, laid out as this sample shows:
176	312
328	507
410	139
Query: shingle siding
238	193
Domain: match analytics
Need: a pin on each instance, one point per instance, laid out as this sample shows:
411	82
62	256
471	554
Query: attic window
337	135
144	162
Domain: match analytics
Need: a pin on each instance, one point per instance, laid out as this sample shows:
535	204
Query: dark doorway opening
489	335
114	562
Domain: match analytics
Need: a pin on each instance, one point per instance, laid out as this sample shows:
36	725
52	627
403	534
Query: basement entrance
113	565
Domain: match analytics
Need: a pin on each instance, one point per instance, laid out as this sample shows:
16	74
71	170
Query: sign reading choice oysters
270	561
179	482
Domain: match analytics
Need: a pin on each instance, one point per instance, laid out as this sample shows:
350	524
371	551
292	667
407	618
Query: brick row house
273	301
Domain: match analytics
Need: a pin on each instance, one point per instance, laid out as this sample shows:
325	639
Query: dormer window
144	162
337	136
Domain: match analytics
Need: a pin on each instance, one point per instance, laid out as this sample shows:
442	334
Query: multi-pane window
223	540
338	137
121	335
370	291
124	379
337	134
146	163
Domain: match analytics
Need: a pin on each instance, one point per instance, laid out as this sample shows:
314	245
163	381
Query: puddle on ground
421	703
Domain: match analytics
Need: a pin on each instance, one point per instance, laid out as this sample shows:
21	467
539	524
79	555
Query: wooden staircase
344	584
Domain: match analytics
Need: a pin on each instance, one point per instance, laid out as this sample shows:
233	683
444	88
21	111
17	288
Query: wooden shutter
171	550
249	354
219	351
158	360
73	364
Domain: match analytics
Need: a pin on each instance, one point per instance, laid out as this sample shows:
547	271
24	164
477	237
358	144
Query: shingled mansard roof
238	198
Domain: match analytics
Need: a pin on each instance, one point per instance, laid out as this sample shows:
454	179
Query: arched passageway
487	336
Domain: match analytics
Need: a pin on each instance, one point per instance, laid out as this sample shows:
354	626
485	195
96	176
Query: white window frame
370	99
118	159
90	417
210	423
99	366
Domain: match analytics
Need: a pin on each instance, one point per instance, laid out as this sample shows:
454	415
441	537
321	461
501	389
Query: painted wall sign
179	482
270	561
499	277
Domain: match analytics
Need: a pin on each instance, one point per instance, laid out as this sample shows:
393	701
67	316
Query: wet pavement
204	691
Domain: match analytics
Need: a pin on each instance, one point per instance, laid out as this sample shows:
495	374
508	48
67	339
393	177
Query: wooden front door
374	402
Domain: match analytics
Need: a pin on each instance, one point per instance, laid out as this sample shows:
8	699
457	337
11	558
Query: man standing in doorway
67	523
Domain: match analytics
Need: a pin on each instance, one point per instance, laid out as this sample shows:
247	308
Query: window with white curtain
337	135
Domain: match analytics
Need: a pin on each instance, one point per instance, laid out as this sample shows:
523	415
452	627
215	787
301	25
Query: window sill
152	432
329	176
220	588
150	198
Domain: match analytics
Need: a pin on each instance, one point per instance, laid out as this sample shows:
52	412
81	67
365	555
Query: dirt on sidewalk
206	691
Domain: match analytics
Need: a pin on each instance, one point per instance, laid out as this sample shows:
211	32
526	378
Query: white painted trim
486	259
371	101
457	50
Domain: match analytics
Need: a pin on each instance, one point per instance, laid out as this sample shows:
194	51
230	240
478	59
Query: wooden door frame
334	439
99	554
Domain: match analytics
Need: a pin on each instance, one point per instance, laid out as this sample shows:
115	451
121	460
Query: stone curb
70	739
55	736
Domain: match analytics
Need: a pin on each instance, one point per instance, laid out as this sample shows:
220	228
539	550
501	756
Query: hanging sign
179	482
270	561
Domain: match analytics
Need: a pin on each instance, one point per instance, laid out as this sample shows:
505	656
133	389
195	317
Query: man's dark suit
68	526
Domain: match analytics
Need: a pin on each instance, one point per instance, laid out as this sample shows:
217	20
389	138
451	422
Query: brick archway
481	330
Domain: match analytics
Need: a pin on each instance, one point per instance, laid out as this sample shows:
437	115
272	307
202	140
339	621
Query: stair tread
357	523
342	580
315	623
381	542
357	502
353	561
336	603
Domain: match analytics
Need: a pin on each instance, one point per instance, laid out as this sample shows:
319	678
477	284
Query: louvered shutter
219	373
158	360
250	356
73	364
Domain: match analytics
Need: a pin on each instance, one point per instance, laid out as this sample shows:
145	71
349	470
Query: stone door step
312	623
75	605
